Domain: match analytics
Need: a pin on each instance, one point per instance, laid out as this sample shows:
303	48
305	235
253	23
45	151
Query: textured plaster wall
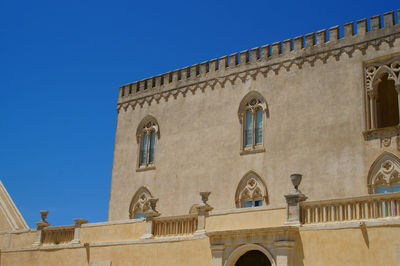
192	252
246	220
118	232
315	125
374	246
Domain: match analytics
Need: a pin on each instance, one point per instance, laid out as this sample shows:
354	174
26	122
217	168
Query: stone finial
204	206
293	200
44	214
296	180
43	223
203	211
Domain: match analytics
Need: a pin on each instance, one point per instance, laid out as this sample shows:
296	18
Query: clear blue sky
61	64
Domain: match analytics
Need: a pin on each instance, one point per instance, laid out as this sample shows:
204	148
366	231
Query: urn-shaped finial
204	196
44	215
296	180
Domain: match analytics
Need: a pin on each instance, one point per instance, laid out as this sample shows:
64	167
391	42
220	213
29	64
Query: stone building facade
244	127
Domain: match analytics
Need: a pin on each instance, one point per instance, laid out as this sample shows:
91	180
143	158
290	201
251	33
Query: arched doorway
253	258
250	254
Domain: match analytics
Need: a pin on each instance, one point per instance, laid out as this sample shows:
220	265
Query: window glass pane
143	150
152	143
382	189
139	215
259	126
396	188
258	203
247	204
248	131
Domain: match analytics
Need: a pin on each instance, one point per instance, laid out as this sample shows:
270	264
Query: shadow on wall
364	232
298	256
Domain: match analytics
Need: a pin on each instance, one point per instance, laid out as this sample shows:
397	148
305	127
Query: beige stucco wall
375	246
190	252
315	125
246	220
342	246
116	232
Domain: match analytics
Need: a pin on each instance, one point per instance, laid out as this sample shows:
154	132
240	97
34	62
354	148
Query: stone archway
250	254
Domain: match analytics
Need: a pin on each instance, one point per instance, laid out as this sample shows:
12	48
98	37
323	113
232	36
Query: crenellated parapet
270	58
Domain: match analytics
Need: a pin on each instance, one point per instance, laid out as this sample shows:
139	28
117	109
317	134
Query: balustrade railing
358	208
174	226
57	235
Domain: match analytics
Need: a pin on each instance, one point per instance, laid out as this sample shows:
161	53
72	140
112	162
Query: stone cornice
265	60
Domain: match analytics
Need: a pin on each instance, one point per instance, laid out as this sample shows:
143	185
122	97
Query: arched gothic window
384	175
146	134
251	116
382	85
251	191
140	203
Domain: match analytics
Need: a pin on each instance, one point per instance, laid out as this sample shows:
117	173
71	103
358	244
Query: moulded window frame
148	125
373	71
244	107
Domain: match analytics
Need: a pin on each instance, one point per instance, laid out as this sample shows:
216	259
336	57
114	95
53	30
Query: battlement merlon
273	57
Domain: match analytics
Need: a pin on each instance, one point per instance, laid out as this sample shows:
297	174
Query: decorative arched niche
384	174
251	191
140	203
146	133
382	94
252	113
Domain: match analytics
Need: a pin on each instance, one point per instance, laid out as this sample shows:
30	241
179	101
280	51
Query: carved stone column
40	226
203	211
284	252
77	231
150	215
293	200
398	97
217	252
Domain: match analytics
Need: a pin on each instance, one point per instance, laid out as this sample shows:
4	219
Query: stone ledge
380	133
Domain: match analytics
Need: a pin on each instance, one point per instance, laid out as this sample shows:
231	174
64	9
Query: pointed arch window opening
146	135
147	148
382	98
251	115
384	177
140	204
251	192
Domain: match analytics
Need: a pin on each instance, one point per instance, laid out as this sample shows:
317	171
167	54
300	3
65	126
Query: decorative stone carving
148	124
256	65
251	188
385	171
140	202
373	73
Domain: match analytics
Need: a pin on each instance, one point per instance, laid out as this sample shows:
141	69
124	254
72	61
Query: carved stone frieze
275	66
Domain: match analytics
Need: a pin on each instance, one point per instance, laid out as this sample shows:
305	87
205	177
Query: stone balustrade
57	235
175	226
349	209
